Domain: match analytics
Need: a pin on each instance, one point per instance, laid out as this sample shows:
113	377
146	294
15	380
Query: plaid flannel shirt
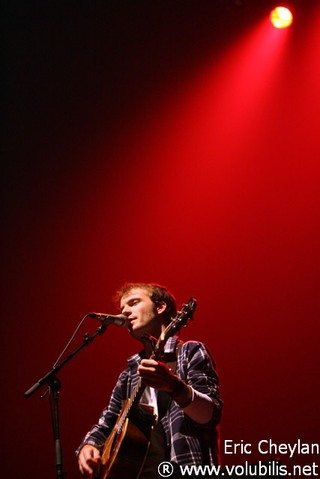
187	442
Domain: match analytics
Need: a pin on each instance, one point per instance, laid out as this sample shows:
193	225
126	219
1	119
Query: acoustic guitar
126	447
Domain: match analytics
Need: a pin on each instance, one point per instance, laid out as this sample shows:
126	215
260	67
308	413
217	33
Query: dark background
168	141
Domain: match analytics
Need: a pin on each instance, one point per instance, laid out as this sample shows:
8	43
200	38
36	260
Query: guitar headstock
182	317
176	324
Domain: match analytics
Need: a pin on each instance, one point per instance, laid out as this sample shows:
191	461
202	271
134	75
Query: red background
175	142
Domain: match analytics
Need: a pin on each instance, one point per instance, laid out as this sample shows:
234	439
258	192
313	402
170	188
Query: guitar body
125	449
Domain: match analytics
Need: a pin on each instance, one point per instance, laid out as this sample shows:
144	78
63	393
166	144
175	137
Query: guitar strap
163	398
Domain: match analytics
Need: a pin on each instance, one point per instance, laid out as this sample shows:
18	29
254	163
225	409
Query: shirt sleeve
197	368
201	407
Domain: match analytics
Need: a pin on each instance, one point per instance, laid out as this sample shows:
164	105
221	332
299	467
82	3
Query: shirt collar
169	347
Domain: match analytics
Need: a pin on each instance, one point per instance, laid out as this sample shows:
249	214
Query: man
183	387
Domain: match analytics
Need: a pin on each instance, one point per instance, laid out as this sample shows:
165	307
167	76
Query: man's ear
161	307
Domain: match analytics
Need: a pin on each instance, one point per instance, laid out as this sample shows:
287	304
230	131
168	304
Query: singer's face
142	313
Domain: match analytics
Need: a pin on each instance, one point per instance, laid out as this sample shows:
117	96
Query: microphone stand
54	384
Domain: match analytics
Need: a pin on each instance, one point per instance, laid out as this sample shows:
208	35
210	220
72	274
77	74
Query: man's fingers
89	460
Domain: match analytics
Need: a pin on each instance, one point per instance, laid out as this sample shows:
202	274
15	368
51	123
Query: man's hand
157	375
89	461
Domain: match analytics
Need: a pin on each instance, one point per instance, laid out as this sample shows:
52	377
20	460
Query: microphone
119	320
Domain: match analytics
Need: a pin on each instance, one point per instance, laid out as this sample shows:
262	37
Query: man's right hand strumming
89	461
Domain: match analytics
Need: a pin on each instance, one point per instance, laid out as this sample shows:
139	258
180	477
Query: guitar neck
137	393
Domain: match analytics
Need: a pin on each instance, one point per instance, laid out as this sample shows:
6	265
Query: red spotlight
281	17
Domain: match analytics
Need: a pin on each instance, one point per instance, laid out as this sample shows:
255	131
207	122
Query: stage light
281	17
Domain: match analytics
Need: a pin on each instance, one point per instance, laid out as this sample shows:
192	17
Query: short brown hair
157	294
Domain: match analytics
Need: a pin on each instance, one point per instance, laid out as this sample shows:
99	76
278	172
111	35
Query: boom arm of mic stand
47	379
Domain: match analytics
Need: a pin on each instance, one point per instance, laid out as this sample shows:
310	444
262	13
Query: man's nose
126	310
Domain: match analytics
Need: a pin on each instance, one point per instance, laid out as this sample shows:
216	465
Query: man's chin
137	334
